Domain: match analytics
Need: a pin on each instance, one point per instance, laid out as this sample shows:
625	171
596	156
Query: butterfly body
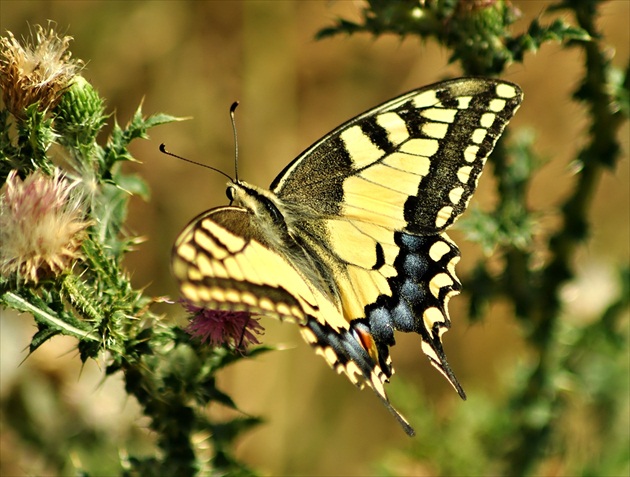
349	241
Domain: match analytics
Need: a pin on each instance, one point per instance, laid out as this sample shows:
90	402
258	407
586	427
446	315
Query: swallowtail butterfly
350	242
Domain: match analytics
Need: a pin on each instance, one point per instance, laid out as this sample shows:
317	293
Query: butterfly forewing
349	241
411	163
223	262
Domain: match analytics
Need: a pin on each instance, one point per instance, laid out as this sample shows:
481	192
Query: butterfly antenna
232	109
164	151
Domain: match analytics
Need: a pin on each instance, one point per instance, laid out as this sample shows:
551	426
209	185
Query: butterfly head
262	204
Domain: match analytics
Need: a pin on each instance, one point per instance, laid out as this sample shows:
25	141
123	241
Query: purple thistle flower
42	225
223	328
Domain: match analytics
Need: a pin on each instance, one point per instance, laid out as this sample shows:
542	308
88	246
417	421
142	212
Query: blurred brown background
192	59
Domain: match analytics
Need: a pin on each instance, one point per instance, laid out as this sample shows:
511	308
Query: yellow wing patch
220	270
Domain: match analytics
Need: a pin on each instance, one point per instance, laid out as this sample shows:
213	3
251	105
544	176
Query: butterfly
349	241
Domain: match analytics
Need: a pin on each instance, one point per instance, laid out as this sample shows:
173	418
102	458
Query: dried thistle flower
223	328
38	72
41	225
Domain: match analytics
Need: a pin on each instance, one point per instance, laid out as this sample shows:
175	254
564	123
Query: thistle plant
64	267
63	239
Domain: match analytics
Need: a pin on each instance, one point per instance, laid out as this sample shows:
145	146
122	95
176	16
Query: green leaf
47	316
116	150
133	184
39	338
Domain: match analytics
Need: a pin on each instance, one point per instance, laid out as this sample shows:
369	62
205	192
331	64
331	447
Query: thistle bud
479	29
80	114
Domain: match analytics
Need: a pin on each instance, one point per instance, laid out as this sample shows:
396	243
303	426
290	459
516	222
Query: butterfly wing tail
434	351
345	354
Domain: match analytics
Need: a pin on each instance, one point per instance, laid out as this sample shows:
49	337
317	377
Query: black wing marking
419	300
346	353
448	128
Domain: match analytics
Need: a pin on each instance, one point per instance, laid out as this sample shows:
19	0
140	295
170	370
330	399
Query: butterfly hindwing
349	241
419	299
347	352
223	262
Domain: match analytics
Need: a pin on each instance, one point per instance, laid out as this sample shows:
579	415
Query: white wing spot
249	299
506	91
232	242
441	280
308	335
330	356
266	304
283	309
190	291
463	102
443	216
206	295
432	316
377	385
297	312
478	135
232	296
204	240
450	266
425	99
438	250
470	153
487	120
187	252
193	273
496	105
455	195
463	174
362	151
354	373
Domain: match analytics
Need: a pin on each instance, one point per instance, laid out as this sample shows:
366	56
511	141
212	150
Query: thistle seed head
37	72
